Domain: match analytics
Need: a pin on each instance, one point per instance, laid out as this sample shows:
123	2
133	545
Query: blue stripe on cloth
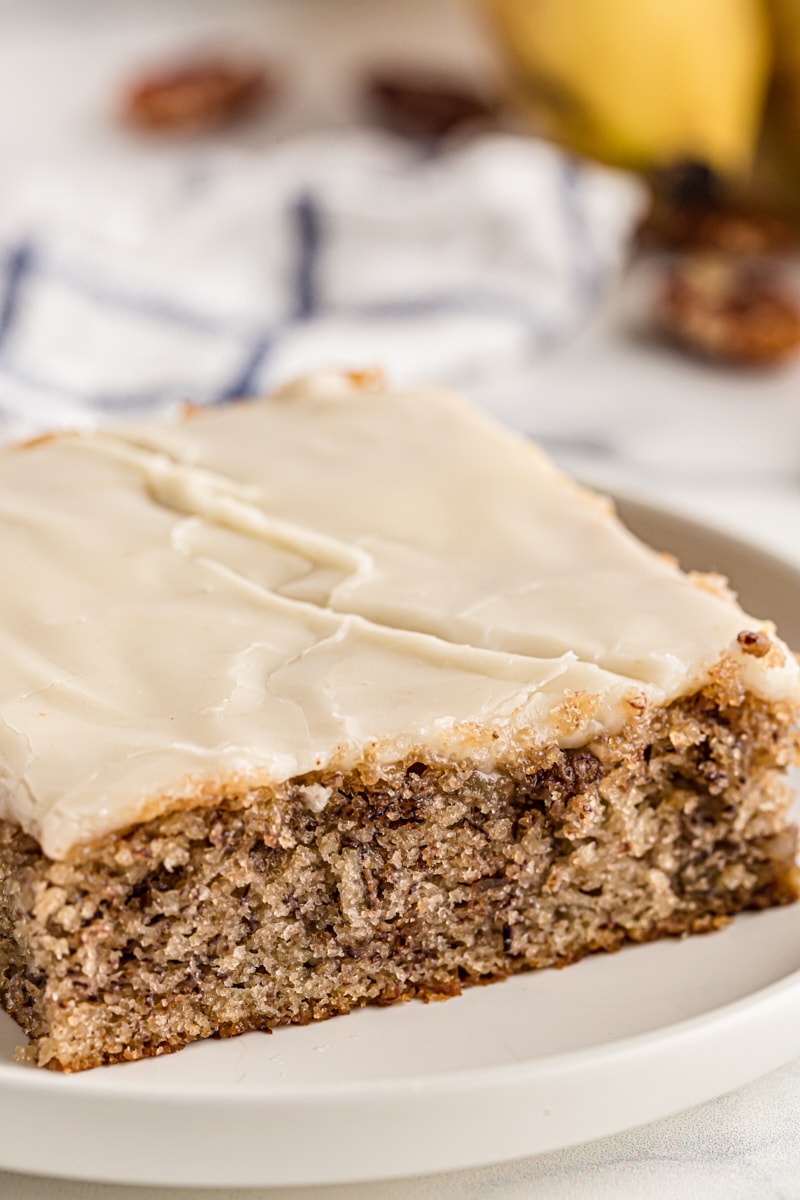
98	401
244	382
535	327
444	302
309	240
16	267
142	402
528	316
585	270
155	308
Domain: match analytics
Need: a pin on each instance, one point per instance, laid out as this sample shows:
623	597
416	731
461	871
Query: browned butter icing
279	586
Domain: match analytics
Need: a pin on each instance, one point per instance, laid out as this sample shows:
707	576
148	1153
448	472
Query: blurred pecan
730	310
427	105
195	95
693	210
723	227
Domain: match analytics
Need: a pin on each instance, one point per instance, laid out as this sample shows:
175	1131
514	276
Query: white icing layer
273	588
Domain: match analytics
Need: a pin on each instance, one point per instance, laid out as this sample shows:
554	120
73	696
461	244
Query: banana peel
644	83
776	177
784	19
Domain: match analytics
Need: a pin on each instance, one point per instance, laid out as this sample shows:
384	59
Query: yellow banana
784	17
642	83
775	185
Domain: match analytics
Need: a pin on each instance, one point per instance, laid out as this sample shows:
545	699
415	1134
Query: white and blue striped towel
127	290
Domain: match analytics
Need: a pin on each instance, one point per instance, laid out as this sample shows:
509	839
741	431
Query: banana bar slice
346	696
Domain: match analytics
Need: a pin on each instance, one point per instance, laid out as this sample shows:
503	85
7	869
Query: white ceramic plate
539	1062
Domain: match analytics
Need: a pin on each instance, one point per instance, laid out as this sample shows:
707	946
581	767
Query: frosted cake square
348	696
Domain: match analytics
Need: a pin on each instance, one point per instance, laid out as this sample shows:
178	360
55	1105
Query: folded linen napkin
126	290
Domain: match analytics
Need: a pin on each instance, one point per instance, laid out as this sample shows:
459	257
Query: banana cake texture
347	696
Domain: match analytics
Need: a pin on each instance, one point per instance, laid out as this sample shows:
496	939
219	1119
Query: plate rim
441	1082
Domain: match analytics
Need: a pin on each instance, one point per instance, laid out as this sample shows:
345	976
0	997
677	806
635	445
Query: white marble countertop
721	446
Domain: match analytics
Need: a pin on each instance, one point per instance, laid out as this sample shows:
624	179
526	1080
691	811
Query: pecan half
755	642
725	227
693	209
425	105
729	310
196	95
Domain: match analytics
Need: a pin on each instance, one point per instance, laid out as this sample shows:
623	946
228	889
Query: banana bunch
648	83
785	94
777	172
